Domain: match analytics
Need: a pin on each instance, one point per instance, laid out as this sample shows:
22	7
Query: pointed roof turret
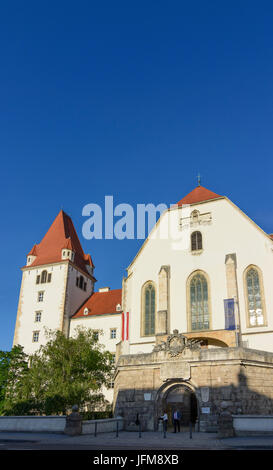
61	234
33	251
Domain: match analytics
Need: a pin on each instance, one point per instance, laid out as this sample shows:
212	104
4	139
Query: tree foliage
62	373
13	370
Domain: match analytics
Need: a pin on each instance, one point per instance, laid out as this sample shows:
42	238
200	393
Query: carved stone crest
176	343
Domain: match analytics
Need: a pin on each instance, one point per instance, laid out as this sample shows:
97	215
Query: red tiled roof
100	303
198	194
61	234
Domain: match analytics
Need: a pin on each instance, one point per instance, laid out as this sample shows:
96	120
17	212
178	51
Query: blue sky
130	99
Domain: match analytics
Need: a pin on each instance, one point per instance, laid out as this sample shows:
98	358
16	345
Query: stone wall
102	425
251	425
224	380
56	424
32	423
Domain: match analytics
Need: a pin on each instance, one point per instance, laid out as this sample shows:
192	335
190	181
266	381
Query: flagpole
238	325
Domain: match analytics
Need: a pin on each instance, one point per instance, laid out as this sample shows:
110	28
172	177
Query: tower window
35	336
38	316
45	277
196	241
81	283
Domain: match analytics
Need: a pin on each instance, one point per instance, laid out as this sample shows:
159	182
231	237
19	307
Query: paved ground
130	441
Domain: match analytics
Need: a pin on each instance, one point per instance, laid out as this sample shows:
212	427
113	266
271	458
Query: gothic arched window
196	241
199	302
148	309
254	294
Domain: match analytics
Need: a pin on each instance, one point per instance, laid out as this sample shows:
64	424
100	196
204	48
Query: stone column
162	318
231	275
232	288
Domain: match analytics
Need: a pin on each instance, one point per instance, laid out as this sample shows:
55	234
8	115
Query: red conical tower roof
61	234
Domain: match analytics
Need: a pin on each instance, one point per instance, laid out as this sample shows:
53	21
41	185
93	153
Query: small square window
35	337
38	316
113	333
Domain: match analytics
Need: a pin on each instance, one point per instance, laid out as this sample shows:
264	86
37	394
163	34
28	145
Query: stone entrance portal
181	397
184	400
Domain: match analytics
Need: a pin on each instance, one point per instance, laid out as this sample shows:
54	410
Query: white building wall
229	232
75	296
51	306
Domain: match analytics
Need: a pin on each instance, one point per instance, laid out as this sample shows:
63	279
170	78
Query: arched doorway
182	398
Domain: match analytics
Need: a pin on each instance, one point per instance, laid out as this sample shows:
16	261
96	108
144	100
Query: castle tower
57	279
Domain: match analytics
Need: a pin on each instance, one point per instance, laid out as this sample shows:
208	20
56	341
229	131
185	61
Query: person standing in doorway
165	421
176	420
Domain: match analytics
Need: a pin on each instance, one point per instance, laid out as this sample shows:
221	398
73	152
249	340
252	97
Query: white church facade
222	254
210	283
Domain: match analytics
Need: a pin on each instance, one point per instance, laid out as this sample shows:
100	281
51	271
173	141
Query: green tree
13	370
65	372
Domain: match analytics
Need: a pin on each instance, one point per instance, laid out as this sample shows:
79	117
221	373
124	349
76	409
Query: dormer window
68	254
196	241
118	308
86	311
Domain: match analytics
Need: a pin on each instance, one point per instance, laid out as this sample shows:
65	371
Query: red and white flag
125	326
